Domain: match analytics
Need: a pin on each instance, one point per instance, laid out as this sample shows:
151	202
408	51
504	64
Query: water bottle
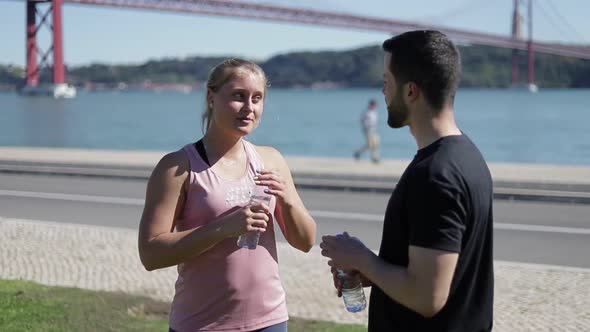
250	239
352	291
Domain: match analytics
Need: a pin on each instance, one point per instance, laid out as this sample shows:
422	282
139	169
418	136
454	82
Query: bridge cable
565	22
458	11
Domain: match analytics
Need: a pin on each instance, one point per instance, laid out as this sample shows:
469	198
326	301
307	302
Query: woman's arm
159	246
295	222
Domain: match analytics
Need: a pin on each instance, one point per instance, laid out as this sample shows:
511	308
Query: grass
27	306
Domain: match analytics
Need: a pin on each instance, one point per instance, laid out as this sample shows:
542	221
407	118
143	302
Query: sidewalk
146	160
527	298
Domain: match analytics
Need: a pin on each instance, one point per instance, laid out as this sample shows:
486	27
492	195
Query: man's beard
397	112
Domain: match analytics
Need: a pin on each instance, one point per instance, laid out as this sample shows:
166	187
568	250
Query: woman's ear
210	98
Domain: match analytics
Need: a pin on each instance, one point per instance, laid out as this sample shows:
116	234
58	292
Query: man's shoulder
453	150
443	167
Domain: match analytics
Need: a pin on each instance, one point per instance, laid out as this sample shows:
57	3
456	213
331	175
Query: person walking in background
434	270
369	126
203	192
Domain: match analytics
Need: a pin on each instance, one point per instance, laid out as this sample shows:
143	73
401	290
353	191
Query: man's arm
423	286
436	215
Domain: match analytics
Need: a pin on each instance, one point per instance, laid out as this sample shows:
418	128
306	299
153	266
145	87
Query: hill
485	67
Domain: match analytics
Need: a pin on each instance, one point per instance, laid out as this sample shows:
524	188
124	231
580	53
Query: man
369	125
434	271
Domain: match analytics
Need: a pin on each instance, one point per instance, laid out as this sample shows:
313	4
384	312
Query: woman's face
239	104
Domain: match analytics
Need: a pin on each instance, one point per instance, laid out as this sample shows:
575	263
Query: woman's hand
275	183
252	217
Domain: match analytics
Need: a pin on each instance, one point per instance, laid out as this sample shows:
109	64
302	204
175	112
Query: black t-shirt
442	201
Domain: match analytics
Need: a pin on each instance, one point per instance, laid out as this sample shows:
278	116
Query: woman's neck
222	146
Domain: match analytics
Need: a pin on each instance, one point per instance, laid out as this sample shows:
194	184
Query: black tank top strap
201	150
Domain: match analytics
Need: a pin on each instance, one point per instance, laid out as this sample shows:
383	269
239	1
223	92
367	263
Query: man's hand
345	252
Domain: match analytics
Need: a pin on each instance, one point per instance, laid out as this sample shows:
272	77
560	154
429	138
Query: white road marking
315	213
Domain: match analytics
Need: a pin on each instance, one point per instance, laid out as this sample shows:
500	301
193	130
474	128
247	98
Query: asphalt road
544	233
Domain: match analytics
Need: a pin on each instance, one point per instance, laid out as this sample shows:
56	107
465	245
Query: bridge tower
517	35
59	87
531	52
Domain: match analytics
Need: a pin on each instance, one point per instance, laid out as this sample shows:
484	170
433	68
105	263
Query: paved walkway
528	297
501	172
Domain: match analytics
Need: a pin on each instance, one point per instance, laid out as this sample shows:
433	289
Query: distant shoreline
483	67
189	89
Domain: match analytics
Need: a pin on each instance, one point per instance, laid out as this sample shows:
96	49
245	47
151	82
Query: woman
203	191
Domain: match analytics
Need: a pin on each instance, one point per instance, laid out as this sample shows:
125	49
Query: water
551	126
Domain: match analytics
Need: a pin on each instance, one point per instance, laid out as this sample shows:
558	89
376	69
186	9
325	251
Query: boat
57	91
530	87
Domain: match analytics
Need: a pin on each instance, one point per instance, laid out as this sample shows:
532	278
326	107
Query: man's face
397	110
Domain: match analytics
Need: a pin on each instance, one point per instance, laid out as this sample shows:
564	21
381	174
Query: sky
96	34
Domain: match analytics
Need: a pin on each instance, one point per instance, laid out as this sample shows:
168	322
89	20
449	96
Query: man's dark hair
429	59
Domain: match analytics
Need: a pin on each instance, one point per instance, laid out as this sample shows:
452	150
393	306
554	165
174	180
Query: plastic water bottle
250	239
352	291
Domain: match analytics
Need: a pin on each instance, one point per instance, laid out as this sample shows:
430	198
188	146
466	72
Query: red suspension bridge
52	18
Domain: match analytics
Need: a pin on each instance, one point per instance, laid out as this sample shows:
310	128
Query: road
543	233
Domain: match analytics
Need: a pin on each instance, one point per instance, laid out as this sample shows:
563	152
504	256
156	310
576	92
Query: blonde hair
224	72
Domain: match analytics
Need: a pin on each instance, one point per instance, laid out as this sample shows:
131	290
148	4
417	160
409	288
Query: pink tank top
226	288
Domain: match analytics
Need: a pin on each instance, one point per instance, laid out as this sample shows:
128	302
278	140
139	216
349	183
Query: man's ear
411	91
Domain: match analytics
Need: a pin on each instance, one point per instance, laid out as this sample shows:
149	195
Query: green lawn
26	306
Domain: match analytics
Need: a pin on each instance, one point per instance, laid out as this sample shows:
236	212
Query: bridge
37	59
